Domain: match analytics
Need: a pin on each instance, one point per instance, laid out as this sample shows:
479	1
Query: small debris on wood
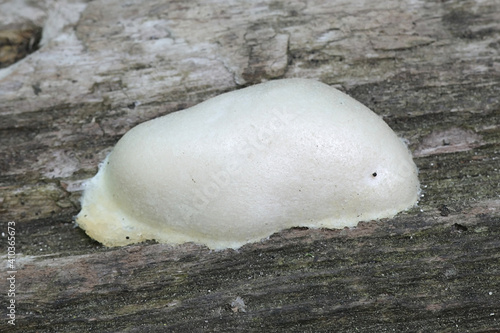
238	305
444	210
458	227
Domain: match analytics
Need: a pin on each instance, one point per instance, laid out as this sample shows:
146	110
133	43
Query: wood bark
431	69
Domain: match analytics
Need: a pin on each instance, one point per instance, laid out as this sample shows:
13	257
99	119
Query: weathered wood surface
430	68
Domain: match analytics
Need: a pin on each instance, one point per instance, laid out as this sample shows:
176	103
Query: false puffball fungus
243	165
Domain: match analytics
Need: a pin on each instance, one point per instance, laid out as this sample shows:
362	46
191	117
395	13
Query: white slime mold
243	165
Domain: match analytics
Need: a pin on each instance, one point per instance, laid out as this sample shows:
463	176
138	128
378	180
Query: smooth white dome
243	165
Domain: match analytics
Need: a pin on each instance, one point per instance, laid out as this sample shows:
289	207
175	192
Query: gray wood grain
431	69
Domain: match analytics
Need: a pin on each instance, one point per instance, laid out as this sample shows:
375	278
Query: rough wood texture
430	68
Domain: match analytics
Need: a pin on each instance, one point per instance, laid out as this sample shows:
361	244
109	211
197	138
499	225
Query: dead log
430	69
